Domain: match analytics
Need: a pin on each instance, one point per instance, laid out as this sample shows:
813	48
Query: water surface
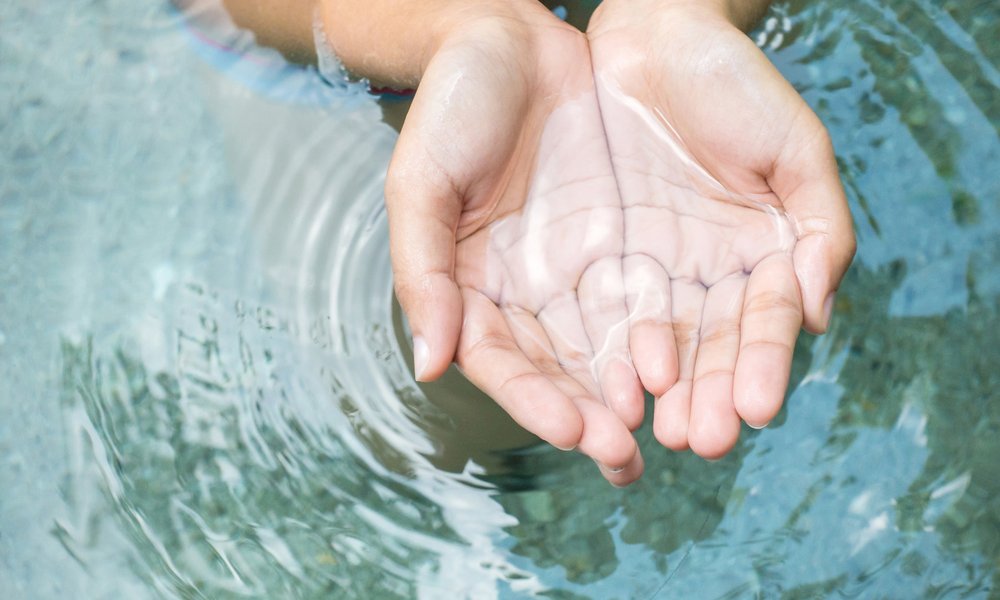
206	389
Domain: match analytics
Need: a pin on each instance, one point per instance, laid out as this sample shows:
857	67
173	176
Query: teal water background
204	390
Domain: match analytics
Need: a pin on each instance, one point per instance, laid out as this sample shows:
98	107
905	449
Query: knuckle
720	331
507	389
686	333
415	288
774	302
550	368
479	349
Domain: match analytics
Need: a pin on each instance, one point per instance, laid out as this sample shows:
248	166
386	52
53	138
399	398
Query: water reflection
236	473
283	446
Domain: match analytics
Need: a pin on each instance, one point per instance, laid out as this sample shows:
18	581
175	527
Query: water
205	383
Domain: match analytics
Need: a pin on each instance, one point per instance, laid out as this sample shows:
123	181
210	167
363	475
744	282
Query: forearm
744	14
387	41
282	24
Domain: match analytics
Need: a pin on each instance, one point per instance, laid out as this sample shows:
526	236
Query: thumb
423	218
807	181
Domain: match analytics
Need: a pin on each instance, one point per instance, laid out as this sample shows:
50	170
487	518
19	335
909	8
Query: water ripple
236	415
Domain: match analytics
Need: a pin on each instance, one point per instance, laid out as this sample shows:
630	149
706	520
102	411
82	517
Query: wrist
615	14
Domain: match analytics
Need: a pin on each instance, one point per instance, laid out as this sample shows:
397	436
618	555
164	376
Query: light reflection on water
208	385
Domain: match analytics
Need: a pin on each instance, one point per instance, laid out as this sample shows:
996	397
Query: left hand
737	230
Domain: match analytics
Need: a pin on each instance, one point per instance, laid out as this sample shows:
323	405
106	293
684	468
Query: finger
673	409
772	316
601	294
626	475
533	340
564	328
651	333
423	218
715	426
489	357
808	183
604	438
608	442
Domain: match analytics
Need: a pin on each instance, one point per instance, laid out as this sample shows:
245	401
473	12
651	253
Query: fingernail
570	449
752	426
828	310
421	354
607	468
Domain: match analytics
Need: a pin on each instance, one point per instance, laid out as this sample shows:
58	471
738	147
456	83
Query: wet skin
575	218
737	231
503	206
729	233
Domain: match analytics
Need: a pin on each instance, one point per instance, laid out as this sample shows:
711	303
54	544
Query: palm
697	132
553	265
516	255
537	219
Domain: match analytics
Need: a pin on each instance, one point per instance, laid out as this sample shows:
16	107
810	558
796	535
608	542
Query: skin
564	268
505	101
737	230
502	161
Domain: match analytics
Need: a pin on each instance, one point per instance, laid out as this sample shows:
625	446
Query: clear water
205	390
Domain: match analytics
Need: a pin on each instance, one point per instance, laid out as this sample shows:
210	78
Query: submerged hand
502	204
737	231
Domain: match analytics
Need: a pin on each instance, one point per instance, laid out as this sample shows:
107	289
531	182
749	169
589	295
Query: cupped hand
506	231
736	227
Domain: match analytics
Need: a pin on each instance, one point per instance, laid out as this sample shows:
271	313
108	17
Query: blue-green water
204	388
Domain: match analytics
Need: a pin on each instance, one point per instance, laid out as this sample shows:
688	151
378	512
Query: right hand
506	233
